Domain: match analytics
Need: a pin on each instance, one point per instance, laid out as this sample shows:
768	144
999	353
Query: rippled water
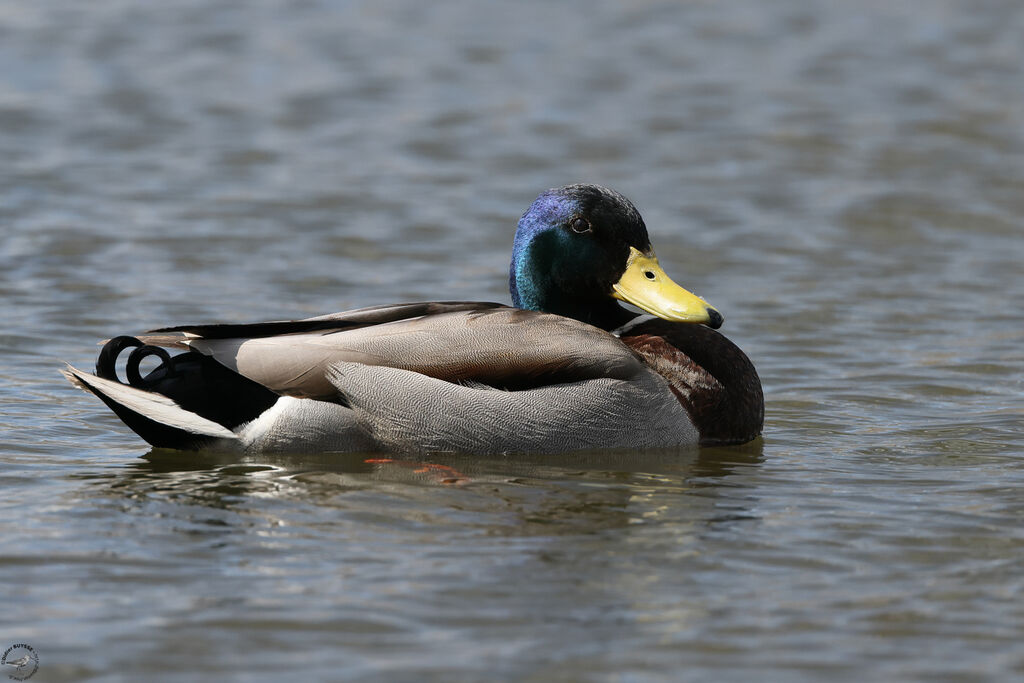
843	180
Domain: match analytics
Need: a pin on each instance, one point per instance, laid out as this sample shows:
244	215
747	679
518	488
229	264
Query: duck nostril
649	274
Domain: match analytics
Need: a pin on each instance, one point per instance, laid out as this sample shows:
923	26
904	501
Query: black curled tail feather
106	363
144	351
197	383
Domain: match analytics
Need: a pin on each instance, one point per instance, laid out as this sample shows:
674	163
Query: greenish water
842	180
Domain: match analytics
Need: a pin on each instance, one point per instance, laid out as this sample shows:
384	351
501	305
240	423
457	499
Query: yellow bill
645	284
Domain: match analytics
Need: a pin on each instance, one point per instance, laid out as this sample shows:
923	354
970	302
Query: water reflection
536	495
573	554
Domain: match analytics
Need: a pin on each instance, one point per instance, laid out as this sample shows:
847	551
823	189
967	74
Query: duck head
580	249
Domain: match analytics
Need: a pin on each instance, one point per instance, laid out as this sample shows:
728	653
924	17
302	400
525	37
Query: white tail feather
156	407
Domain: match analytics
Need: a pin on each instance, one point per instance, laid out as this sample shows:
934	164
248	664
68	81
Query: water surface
843	181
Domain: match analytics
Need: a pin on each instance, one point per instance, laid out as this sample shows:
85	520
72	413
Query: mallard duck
567	367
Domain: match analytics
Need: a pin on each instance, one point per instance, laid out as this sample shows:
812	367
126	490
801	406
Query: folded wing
489	344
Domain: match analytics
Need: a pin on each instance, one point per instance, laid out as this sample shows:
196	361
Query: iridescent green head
580	248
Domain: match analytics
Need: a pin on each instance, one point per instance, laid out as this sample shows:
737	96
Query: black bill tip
715	319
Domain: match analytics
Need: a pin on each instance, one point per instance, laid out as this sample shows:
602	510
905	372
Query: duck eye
580	225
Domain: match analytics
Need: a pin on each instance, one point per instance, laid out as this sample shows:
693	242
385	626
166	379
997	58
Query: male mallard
566	368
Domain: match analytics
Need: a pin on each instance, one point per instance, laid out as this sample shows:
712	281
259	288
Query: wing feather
498	346
360	317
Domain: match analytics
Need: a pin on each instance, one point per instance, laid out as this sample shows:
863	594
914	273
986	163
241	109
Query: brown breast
712	378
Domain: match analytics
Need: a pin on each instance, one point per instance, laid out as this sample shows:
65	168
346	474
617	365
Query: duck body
566	368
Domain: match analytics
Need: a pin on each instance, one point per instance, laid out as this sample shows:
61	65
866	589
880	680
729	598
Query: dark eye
580	225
